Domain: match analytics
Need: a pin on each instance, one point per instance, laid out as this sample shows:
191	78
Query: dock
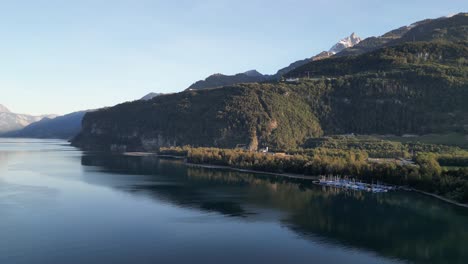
354	185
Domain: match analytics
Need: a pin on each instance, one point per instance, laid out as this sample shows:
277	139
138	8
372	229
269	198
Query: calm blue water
60	205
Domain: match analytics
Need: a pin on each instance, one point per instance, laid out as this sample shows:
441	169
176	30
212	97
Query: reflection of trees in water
399	225
166	180
395	224
135	165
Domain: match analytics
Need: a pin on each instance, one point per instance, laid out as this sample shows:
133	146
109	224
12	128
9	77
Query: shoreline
447	200
305	177
287	175
150	154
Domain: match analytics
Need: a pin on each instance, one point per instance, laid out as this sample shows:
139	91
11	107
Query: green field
452	168
451	139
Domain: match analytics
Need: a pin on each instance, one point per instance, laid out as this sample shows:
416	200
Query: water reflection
397	225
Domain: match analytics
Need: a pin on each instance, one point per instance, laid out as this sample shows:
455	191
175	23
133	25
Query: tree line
425	174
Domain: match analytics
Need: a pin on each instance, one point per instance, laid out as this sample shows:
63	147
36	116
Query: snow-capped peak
347	42
3	109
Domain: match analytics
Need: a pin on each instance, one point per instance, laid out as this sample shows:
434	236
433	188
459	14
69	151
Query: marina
352	184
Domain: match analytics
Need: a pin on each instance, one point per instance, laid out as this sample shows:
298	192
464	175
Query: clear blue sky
59	56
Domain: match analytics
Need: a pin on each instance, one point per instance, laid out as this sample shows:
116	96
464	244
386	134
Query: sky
61	56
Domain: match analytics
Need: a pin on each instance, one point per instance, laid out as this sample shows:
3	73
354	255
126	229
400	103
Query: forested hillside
411	88
414	87
251	115
218	80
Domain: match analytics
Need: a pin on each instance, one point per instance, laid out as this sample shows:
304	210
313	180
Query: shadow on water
399	225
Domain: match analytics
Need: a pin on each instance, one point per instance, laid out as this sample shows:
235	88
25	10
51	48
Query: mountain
345	43
241	114
63	127
447	35
11	121
253	73
414	88
150	96
448	28
3	109
252	76
218	80
416	85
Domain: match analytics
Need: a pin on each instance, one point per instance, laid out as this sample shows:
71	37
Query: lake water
61	205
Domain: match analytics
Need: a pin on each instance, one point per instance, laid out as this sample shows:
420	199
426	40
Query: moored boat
353	185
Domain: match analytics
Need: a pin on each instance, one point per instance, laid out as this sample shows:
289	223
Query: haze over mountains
410	80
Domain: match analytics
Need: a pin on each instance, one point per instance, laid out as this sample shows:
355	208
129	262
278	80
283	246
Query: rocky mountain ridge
252	76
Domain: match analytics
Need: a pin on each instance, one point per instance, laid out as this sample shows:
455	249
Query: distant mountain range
63	127
11	121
